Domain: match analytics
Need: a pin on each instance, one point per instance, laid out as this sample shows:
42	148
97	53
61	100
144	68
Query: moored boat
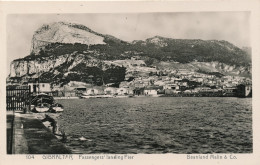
97	96
122	96
42	107
56	108
44	103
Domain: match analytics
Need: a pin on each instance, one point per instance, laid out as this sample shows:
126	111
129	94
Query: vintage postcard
172	82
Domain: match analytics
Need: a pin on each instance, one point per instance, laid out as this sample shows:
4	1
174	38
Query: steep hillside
184	51
63	52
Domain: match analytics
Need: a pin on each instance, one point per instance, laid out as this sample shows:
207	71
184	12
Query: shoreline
154	96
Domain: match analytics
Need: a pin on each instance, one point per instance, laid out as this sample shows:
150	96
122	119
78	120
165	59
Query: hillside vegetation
183	51
66	42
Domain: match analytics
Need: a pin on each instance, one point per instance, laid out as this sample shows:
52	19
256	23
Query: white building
124	91
96	90
171	86
150	91
40	87
110	91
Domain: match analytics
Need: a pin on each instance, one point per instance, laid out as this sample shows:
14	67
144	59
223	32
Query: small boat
42	107
87	97
122	96
56	108
97	96
44	103
104	96
42	98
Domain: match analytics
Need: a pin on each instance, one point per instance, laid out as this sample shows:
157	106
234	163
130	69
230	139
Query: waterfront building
152	90
69	93
40	87
110	91
229	91
171	86
202	89
138	91
244	90
95	91
124	91
79	90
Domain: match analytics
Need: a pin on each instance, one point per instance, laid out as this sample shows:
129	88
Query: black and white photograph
129	83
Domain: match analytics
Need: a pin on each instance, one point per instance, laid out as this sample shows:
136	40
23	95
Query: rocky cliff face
60	32
65	46
24	68
21	68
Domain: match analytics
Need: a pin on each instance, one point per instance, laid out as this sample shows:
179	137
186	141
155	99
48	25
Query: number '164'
29	156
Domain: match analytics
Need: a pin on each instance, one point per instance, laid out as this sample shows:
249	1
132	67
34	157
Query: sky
230	26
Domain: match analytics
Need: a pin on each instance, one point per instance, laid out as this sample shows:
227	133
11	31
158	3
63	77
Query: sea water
158	125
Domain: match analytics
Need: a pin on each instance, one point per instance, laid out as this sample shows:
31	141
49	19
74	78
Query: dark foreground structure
27	135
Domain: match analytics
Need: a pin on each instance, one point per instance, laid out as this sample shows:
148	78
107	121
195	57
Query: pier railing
17	97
